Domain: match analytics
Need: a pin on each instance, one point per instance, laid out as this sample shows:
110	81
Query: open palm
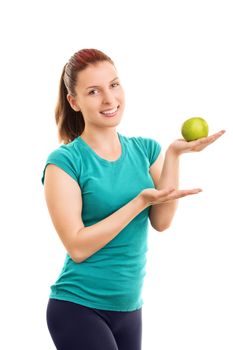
181	146
153	196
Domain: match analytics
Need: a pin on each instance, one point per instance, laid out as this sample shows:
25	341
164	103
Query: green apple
194	129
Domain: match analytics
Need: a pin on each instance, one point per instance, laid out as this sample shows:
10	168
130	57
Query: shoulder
66	154
65	150
141	140
67	157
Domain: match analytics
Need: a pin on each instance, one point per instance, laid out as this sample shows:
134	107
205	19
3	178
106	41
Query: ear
73	103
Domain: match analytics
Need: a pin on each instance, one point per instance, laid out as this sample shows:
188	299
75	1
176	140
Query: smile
110	112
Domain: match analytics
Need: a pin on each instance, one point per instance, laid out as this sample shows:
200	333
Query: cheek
93	103
122	99
120	95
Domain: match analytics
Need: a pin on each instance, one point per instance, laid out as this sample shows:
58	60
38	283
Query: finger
179	194
213	137
184	193
189	192
216	136
219	133
200	144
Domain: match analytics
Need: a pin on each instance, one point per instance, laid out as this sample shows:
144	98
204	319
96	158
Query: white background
175	61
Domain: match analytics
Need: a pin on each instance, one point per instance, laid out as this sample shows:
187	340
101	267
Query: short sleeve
152	148
64	159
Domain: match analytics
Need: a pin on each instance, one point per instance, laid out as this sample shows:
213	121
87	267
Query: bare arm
64	201
165	174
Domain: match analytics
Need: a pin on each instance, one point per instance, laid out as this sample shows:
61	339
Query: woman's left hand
181	146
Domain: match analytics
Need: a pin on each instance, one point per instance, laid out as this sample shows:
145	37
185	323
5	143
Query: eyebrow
96	86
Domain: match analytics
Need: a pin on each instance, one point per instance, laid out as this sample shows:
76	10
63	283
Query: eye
92	92
115	84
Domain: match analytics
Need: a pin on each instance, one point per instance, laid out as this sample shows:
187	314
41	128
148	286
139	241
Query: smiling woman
106	97
102	189
89	91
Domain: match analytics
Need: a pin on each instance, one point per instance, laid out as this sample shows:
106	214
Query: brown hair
71	123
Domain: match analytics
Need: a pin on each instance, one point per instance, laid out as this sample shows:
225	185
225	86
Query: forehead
96	74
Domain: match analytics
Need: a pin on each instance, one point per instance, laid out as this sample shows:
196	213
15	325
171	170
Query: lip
109	109
110	114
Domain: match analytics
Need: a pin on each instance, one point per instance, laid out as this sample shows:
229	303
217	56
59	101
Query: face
99	95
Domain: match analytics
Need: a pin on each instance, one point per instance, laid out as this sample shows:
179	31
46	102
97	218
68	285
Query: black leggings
76	327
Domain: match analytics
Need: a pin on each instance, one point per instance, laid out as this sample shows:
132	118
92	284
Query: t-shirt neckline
103	160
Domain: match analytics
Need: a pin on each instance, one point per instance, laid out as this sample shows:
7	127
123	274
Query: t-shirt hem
61	165
94	305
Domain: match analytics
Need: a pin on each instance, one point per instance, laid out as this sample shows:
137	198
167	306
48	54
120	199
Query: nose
108	97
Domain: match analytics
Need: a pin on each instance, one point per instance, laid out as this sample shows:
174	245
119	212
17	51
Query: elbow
162	222
77	253
77	257
161	227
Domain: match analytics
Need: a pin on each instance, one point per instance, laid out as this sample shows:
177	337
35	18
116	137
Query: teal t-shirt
112	278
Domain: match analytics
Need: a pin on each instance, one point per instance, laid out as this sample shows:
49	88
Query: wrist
144	198
172	151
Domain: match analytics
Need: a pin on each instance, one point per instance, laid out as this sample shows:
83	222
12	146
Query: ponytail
69	122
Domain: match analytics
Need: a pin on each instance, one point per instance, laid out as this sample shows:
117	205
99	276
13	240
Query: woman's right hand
151	196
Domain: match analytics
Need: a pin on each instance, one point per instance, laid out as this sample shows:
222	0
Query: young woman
101	188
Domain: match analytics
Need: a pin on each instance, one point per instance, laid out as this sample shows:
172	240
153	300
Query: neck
101	138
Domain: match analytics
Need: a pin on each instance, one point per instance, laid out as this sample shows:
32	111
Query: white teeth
111	111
